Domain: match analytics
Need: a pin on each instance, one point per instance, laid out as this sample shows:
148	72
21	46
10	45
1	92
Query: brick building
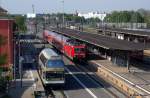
6	31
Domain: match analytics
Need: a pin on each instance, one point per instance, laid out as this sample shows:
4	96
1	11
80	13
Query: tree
146	15
20	22
124	17
136	18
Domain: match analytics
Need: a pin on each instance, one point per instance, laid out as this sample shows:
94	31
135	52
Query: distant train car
71	47
49	36
51	67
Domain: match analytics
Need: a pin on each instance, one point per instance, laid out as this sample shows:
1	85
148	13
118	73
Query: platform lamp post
20	65
20	68
14	65
62	26
128	61
36	28
63	13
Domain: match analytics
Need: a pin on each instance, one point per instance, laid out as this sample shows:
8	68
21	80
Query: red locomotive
70	47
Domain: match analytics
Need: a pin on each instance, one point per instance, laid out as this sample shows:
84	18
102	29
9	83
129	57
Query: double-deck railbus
51	67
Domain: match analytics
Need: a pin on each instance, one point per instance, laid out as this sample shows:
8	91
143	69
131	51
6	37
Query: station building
3	11
6	48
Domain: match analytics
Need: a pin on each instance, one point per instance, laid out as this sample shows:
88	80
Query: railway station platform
38	82
30	83
135	83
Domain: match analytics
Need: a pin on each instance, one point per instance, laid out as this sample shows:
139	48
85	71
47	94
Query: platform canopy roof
102	41
137	32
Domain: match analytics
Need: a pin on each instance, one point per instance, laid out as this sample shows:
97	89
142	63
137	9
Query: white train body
51	67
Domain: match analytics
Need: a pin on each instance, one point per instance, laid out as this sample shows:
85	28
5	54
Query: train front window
55	63
55	75
79	50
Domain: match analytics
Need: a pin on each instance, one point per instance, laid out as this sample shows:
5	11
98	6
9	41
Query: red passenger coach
49	36
70	47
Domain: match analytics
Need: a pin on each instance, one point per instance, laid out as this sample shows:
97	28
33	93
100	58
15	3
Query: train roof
66	39
49	53
50	33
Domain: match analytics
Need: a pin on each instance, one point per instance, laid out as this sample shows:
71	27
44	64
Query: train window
43	59
79	49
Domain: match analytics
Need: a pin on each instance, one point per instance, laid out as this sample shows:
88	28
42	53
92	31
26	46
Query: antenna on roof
0	3
33	11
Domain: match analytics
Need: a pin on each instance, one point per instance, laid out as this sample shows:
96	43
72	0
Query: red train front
74	49
70	47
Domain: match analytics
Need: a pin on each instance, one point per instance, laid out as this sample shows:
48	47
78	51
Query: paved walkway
21	92
28	85
27	88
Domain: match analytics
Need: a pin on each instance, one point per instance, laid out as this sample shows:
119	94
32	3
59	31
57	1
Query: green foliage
93	20
71	17
124	16
146	15
136	18
20	22
3	59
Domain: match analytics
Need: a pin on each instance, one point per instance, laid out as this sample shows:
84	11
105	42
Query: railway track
97	79
60	93
55	93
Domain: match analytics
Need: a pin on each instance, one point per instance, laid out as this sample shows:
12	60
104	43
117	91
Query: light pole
20	64
63	13
14	66
62	29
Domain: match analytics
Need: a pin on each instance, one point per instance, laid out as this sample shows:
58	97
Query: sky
70	6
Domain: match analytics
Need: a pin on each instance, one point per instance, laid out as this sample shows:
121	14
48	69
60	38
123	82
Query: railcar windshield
55	64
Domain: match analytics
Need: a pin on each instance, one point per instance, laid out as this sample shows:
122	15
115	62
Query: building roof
2	9
102	41
128	31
